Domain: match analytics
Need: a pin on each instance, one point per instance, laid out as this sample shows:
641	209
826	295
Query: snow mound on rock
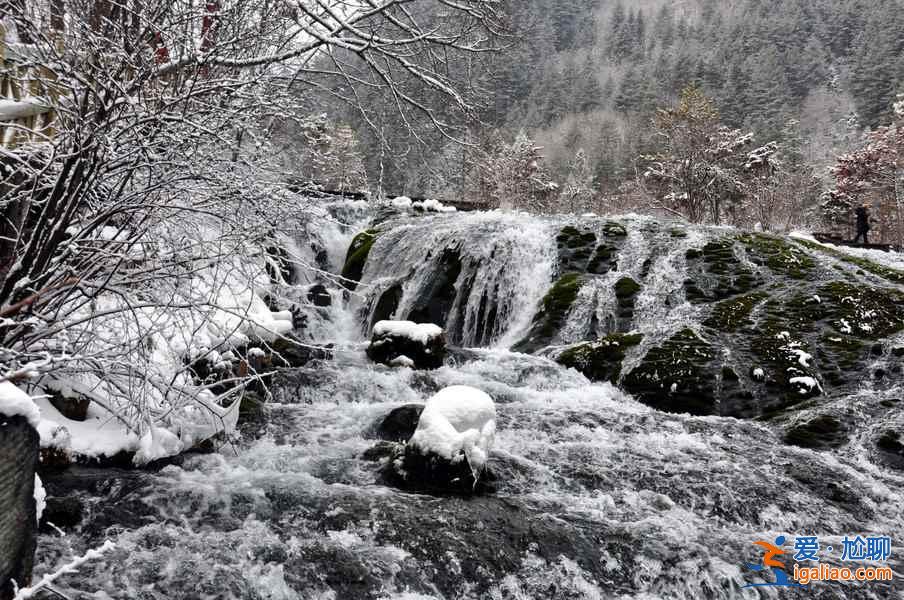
418	332
457	421
15	402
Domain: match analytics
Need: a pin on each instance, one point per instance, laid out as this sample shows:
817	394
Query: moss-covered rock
729	315
604	259
678	376
614	230
780	255
575	248
556	305
356	257
600	360
626	288
715	273
819	433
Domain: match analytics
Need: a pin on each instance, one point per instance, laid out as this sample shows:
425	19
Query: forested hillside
814	71
587	75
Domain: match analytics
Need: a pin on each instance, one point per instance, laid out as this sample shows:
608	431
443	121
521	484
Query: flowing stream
598	496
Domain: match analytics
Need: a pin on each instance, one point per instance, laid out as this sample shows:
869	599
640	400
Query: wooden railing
26	91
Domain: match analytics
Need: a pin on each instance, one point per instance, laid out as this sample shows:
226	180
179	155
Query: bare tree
136	221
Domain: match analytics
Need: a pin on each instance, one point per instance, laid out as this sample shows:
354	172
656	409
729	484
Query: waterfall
480	275
598	495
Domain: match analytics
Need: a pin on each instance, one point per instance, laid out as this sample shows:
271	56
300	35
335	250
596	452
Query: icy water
598	496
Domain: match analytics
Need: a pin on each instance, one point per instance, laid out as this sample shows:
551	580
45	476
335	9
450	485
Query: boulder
448	452
319	296
424	345
399	425
65	513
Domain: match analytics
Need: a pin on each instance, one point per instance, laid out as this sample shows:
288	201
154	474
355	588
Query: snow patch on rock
14	402
458	420
40	498
418	332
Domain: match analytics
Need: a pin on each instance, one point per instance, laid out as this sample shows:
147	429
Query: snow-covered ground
893	260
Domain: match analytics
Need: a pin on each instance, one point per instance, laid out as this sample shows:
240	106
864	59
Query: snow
803	358
401	202
892	260
157	443
434	206
458	419
758	373
418	332
40	495
806	382
100	434
14	402
402	361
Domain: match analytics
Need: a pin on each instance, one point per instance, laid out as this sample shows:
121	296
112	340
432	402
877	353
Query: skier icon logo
770	562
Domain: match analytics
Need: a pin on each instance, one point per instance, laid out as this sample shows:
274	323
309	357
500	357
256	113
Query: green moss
356	257
626	288
779	255
556	305
893	275
677	376
678	233
729	315
558	302
600	360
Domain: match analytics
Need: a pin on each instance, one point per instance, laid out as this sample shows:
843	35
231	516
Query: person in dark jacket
862	213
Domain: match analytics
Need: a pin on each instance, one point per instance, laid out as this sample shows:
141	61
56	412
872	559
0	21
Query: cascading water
598	496
495	267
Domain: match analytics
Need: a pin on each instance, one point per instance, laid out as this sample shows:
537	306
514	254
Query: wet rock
600	360
288	351
436	301
399	425
891	449
356	258
72	406
390	345
679	376
820	433
626	290
319	296
575	248
65	513
556	305
716	273
408	469
387	305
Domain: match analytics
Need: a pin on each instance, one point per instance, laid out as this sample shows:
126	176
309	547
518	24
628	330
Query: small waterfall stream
598	496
